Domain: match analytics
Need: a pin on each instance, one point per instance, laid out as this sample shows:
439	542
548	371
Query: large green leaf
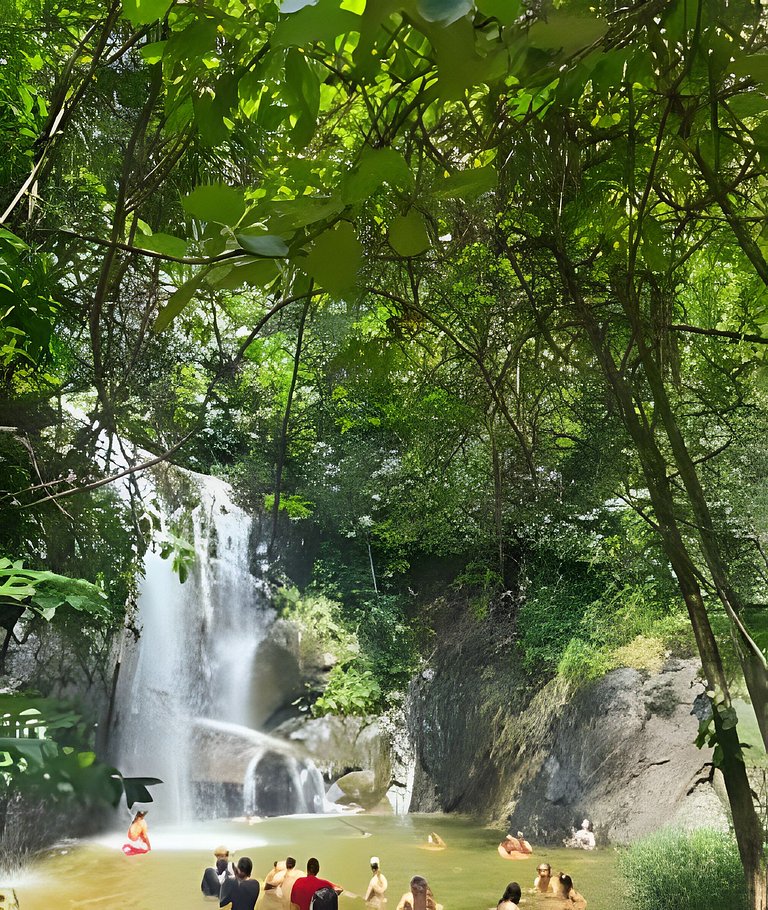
263	245
321	23
144	12
176	303
334	259
469	183
376	166
562	31
444	11
166	244
506	11
408	234
215	202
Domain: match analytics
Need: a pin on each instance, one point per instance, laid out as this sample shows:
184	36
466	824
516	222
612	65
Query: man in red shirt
304	888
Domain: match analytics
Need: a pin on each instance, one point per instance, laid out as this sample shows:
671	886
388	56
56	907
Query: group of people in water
291	889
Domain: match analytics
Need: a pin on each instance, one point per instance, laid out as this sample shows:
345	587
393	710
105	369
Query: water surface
468	875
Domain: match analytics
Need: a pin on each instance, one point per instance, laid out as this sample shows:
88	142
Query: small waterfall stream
186	702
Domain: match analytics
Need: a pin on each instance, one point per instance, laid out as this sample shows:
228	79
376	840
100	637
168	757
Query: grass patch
684	870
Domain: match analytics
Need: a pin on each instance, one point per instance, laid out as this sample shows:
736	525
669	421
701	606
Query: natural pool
468	875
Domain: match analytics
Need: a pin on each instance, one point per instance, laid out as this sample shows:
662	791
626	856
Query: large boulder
340	745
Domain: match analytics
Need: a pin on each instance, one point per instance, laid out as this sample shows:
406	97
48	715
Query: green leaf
176	303
408	234
322	22
153	53
506	11
376	166
144	12
263	245
215	202
246	271
469	183
444	11
334	259
564	32
754	66
163	243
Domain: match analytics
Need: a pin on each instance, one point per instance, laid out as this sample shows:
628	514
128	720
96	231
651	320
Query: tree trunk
746	823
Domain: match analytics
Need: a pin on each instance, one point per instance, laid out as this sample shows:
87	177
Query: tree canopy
468	279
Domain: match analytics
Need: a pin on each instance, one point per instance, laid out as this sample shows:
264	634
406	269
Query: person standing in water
420	896
377	886
242	891
543	882
137	836
292	875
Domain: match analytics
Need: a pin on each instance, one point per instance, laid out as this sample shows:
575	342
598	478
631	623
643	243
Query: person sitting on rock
515	847
564	889
543	883
510	898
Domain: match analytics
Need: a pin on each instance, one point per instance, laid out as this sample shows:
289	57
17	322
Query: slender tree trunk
282	449
747	827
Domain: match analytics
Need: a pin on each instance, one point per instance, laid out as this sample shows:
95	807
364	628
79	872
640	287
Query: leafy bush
694	870
583	661
349	692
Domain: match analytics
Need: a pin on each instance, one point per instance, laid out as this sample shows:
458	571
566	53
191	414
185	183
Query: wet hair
325	899
245	866
542	865
290	862
566	881
313	866
423	898
512	892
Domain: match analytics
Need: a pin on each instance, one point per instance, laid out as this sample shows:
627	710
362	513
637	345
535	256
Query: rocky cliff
618	751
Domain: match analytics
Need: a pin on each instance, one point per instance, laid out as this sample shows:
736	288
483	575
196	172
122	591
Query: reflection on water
468	875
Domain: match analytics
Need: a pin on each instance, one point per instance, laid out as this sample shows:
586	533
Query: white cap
374	861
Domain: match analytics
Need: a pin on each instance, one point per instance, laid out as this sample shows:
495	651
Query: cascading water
186	701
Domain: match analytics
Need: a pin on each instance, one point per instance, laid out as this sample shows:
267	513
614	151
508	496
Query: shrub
684	870
349	692
582	662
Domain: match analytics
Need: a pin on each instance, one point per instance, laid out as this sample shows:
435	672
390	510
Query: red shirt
304	889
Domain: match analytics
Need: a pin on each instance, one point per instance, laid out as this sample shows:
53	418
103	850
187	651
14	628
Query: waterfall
186	701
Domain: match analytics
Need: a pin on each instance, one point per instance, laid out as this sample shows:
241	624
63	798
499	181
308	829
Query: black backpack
324	899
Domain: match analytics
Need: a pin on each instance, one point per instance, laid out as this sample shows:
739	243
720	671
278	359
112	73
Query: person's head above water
290	862
313	866
544	870
244	867
512	892
422	895
566	882
374	862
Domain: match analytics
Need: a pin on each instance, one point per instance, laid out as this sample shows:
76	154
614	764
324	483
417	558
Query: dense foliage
471	284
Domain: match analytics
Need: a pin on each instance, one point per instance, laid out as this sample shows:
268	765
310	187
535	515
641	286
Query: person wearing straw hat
377	886
214	877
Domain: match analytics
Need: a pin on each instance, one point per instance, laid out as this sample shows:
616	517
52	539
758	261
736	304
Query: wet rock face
620	751
622	754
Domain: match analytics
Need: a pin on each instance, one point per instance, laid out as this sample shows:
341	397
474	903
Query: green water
468	875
